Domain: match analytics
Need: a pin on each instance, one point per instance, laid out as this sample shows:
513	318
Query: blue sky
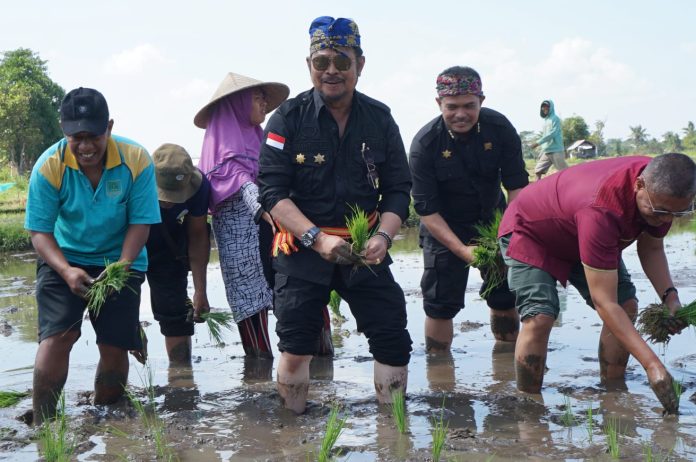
157	63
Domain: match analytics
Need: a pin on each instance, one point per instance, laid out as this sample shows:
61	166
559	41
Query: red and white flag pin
275	141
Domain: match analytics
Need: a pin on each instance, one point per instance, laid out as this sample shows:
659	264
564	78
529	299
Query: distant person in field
181	243
460	161
552	151
92	199
571	228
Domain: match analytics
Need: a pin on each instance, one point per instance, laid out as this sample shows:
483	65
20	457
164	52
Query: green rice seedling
651	321
398	408
487	257
334	428
678	386
113	279
567	419
440	429
611	431
589	423
358	225
57	445
335	305
649	456
10	398
216	321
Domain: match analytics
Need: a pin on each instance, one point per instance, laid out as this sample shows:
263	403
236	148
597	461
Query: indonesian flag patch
275	141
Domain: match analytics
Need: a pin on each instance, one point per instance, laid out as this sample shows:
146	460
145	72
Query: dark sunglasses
340	61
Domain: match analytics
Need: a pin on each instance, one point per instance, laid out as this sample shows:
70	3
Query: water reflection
182	393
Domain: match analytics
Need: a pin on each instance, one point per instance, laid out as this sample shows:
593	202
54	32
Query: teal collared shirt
90	224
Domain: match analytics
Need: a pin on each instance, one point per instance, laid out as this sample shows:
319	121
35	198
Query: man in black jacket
327	150
458	162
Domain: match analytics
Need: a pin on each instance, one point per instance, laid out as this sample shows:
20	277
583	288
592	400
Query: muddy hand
662	385
141	355
674	325
343	255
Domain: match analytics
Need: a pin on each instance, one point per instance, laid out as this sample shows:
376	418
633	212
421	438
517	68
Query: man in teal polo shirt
92	198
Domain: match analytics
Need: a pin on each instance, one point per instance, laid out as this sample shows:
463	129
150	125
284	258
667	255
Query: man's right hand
466	252
78	280
334	249
662	385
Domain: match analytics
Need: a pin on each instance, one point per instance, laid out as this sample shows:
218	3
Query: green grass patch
216	321
10	398
13	236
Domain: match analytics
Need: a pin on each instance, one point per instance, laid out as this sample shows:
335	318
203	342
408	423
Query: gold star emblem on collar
446	153
319	159
300	158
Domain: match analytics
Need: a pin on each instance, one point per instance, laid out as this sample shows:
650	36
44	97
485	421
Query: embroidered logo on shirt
275	141
488	146
319	159
300	158
113	188
446	153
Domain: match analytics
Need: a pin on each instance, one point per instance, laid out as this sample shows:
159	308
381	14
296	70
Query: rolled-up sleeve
275	165
395	180
425	192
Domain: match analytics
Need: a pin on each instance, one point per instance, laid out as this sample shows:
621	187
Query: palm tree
689	130
639	136
672	142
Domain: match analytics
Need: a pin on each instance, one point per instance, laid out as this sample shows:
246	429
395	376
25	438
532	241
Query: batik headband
458	84
327	32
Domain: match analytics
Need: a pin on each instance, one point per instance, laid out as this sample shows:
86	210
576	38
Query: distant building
582	149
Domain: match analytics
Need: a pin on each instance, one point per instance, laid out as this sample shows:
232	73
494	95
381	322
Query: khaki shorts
535	289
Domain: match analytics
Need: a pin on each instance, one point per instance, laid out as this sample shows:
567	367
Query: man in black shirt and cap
458	162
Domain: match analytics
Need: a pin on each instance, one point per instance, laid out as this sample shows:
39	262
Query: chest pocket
367	167
487	159
311	161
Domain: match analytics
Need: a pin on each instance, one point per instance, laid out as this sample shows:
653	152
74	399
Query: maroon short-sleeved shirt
586	213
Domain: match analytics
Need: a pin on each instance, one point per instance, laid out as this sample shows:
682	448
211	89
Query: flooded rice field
226	408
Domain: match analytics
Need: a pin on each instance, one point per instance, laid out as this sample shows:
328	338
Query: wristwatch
310	237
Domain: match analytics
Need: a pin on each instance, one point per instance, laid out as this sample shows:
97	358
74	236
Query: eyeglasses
655	211
340	61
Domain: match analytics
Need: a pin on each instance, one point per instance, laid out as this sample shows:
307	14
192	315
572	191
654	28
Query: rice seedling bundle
651	321
487	257
10	398
113	279
358	225
216	321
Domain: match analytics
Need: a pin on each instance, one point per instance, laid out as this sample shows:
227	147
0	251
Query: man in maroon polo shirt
572	227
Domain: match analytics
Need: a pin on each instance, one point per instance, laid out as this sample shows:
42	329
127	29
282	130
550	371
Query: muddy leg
112	374
438	335
293	381
325	343
505	325
388	379
613	357
50	373
178	350
530	352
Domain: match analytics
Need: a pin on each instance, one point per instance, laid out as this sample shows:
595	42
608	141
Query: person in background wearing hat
572	227
326	150
229	159
458	162
551	141
92	198
181	242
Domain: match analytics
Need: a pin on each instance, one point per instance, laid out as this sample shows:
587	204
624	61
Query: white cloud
134	60
195	88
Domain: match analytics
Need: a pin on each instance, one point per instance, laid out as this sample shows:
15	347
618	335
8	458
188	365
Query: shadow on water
225	407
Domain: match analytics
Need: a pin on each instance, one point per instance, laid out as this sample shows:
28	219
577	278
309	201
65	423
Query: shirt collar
319	102
113	158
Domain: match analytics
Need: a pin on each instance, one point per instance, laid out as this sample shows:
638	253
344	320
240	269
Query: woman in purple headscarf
230	160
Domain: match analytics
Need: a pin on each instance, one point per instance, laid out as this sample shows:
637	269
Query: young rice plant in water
398	408
611	431
57	445
334	428
10	398
113	279
567	419
487	257
439	433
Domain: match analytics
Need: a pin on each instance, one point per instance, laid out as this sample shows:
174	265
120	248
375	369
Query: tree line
29	103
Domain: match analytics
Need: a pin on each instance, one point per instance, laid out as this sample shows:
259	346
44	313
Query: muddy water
226	408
